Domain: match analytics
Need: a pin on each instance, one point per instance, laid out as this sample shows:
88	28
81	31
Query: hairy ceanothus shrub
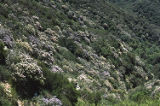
27	76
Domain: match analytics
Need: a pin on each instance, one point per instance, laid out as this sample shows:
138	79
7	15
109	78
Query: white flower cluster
25	45
25	67
56	69
52	101
30	29
47	57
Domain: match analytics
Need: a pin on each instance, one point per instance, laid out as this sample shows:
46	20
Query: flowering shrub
5	99
24	45
30	29
56	69
46	57
25	68
51	101
27	76
6	36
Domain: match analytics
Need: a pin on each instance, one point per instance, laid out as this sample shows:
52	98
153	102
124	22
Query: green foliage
126	102
3	11
66	101
132	103
5	100
94	97
5	74
149	9
102	47
66	54
69	44
3	96
58	85
128	62
84	103
73	47
137	97
140	95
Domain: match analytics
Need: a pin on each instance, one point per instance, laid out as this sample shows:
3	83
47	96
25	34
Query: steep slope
101	49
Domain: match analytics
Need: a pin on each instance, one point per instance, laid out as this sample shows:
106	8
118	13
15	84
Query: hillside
78	53
148	9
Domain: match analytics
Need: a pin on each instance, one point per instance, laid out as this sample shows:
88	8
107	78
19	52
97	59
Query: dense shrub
128	62
71	46
27	76
102	47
